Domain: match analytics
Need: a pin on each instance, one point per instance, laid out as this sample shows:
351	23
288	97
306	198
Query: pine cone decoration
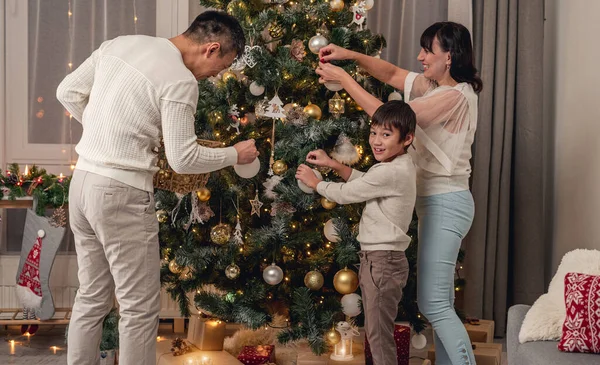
297	50
296	116
12	179
179	347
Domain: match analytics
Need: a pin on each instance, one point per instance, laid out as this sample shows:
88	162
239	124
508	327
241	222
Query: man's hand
319	158
307	176
246	151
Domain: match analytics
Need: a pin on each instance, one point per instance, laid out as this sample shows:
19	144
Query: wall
572	99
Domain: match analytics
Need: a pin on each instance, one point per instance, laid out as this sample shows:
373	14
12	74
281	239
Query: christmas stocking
29	288
40	243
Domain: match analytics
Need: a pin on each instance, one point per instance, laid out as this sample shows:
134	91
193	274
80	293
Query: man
126	94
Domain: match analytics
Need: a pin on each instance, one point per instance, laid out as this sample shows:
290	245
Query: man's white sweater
129	93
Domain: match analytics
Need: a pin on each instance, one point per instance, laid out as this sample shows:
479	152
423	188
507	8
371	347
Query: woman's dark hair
217	26
396	114
456	39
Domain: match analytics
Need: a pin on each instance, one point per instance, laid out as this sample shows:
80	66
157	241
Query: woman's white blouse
446	124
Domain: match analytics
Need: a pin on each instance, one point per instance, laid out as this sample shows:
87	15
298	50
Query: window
42	42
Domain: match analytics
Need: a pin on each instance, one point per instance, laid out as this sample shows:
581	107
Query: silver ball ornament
369	4
232	271
273	274
316	43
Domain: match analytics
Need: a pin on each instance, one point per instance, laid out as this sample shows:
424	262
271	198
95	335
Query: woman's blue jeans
444	220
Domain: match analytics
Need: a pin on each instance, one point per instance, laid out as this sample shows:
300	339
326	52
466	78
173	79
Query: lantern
343	349
336	105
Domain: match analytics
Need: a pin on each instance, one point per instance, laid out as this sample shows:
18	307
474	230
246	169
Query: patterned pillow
581	329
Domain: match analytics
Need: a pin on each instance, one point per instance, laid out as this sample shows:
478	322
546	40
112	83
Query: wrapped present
485	353
402	338
206	334
257	355
480	330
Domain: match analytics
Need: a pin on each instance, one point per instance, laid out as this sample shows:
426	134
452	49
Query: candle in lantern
54	348
61	177
12	347
343	349
26	173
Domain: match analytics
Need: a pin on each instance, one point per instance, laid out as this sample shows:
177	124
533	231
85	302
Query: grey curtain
402	22
506	248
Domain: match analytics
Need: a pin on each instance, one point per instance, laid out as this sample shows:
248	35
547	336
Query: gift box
402	338
256	355
480	330
485	353
206	334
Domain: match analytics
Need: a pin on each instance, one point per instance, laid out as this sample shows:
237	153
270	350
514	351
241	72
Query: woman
445	101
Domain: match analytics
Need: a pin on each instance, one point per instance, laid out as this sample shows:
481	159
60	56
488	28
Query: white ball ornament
419	341
316	43
256	89
395	96
369	4
273	274
330	231
351	304
41	233
333	85
249	170
304	187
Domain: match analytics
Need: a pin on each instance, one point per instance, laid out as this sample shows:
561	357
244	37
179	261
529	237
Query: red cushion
581	329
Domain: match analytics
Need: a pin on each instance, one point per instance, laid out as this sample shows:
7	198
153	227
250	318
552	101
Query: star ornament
256	205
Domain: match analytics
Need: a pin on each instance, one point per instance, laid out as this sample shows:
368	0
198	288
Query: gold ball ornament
162	216
186	273
345	281
333	337
314	280
336	5
174	267
279	167
228	75
313	111
221	233
239	4
215	117
327	204
276	30
203	194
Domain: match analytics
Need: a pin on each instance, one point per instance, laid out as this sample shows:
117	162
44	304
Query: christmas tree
250	245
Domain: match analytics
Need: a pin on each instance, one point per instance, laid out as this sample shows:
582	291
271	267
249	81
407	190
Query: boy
389	190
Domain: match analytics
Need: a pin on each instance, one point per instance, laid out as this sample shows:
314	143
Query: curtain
505	249
402	22
61	35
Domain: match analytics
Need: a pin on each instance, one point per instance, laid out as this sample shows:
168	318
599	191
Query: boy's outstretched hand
307	176
319	158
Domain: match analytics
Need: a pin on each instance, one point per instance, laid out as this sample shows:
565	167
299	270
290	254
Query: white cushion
545	319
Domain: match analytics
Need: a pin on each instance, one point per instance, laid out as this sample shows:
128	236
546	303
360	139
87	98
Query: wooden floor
41	349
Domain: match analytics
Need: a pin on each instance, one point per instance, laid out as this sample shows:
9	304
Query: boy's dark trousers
382	277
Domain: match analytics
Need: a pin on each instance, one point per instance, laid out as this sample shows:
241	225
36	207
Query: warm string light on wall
135	18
